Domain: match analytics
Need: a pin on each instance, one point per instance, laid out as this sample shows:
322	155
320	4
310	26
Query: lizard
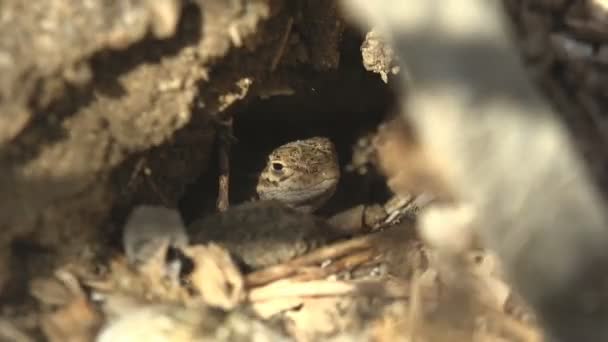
298	179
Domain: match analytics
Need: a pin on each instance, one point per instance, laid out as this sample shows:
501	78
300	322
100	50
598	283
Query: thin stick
224	166
343	264
136	170
282	44
523	331
152	184
317	256
415	306
324	288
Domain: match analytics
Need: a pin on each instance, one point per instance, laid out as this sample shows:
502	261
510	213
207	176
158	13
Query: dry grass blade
9	332
282	44
502	324
343	264
223	201
318	288
317	256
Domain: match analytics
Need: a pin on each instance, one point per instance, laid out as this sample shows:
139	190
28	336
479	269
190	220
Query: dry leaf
407	166
50	291
76	322
216	277
9	332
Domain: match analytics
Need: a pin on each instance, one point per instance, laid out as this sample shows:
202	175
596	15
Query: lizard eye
276	166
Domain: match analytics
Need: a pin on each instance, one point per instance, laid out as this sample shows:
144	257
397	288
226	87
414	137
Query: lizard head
302	174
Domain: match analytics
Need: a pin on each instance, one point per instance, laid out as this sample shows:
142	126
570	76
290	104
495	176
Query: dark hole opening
342	104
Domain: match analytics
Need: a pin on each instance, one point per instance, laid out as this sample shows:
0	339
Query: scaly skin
302	174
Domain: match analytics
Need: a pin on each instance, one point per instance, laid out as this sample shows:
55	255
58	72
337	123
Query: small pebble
147	228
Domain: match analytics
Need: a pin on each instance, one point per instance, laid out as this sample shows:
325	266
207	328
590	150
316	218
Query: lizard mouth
308	193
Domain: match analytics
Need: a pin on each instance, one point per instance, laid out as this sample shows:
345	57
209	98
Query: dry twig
319	288
337	266
224	166
282	45
317	256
